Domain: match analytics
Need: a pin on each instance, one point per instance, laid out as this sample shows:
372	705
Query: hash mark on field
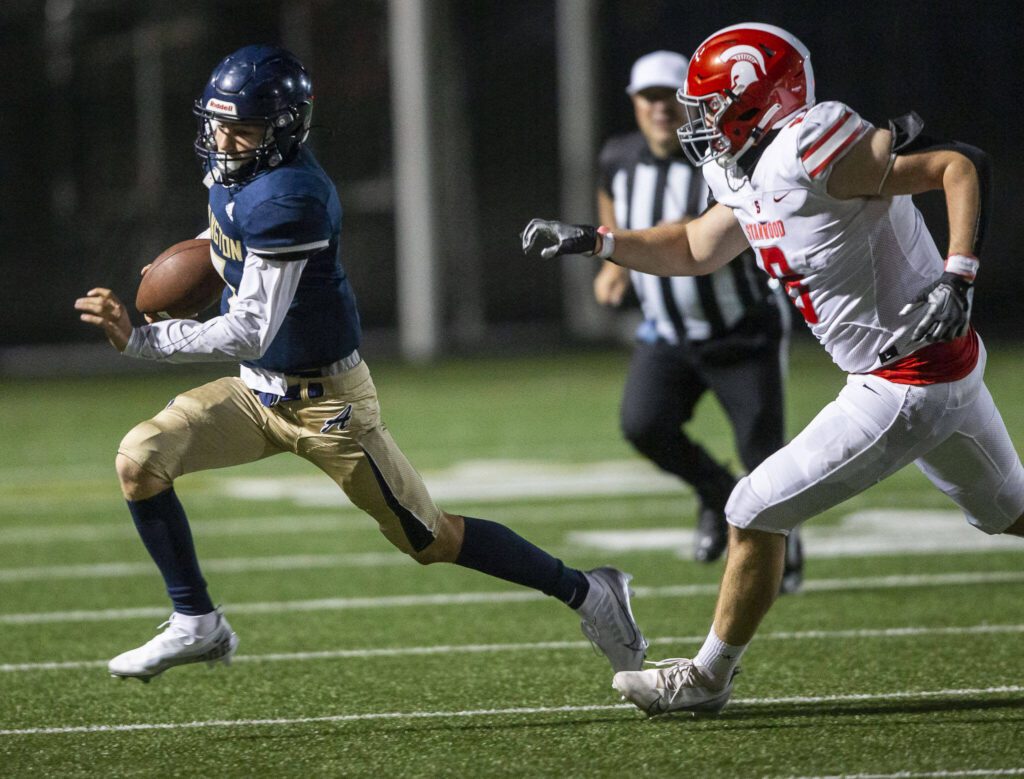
533	646
518	596
523	710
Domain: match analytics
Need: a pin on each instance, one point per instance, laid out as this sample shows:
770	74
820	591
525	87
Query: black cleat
711	536
793	570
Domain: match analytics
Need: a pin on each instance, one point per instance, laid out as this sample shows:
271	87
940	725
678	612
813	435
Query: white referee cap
658	69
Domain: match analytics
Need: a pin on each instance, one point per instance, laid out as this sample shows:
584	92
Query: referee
725	332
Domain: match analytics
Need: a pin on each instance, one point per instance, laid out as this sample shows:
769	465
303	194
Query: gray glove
949	302
561	238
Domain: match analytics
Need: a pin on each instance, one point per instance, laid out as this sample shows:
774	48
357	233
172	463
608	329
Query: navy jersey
290	213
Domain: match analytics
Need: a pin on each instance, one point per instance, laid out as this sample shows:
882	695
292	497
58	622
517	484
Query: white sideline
402	715
921	774
517	596
447	649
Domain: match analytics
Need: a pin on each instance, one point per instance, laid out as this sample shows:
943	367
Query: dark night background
90	193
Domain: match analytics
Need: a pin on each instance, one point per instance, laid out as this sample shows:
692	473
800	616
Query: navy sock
497	551
163	526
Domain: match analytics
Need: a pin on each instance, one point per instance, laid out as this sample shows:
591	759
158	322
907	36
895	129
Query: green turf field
900	658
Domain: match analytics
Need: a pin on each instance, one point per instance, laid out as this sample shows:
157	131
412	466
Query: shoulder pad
905	130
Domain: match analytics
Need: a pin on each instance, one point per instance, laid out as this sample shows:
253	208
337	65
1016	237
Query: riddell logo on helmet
221	106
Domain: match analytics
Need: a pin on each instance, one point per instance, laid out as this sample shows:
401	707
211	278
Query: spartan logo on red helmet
747	66
743	82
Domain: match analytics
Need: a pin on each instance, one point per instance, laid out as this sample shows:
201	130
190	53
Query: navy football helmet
262	85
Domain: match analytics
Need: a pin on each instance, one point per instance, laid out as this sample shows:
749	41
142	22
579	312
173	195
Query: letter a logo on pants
340	421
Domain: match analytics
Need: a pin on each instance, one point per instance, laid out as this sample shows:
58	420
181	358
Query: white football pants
952	432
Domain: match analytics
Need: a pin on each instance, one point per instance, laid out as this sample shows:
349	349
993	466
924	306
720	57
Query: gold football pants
223	423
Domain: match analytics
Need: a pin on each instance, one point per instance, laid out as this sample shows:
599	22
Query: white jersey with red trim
848	265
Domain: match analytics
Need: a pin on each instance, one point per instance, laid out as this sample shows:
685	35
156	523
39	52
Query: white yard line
274	607
480	481
536	646
861	534
517	596
474	481
242	526
516	711
921	774
226	565
346	518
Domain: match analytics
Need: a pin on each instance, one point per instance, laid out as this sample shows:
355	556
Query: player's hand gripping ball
180	283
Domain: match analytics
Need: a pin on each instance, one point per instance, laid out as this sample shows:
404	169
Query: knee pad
744	505
142	445
993	514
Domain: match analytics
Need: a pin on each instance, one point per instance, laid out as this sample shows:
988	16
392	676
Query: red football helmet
742	82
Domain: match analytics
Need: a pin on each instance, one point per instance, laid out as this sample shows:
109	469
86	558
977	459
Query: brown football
180	283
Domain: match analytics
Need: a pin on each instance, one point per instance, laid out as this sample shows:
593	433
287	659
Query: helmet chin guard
742	82
257	85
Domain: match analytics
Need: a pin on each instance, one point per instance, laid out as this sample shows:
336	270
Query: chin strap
755	135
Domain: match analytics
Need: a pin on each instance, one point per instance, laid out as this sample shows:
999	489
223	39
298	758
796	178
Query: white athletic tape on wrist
963	265
607	243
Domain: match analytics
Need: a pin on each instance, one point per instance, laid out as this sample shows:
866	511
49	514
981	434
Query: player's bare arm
695	248
871	169
103	308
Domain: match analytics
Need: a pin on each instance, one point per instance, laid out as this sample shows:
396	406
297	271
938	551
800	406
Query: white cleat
607	619
675	685
176	645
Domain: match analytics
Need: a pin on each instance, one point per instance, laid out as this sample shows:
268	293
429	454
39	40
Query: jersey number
774	263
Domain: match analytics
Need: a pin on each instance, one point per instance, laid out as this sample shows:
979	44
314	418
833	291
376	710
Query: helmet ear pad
290	130
742	116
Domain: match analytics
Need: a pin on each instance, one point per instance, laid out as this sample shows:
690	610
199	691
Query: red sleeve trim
824	139
838	152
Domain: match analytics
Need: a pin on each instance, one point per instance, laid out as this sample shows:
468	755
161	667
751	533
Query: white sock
719	657
198	625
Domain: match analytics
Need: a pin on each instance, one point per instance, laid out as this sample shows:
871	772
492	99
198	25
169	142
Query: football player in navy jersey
289	316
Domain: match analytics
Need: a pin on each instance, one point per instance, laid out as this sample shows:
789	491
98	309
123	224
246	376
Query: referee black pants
663	386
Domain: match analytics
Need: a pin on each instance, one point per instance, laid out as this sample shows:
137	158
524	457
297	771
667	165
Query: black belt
292	392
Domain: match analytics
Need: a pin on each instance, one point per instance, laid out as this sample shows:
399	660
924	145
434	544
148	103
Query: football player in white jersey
824	198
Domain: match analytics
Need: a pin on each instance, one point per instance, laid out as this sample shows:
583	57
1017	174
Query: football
180	283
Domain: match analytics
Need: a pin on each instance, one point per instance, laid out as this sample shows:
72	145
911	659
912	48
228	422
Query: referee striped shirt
648	191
